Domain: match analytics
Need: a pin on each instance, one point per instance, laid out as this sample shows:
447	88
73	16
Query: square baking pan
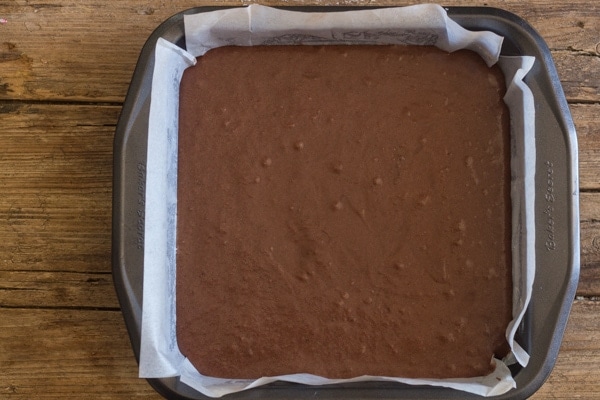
556	215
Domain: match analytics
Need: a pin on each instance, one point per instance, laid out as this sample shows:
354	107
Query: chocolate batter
343	211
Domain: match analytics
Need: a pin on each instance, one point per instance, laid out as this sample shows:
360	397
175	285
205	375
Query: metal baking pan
556	213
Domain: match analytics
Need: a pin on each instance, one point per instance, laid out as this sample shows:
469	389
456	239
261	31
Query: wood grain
65	67
86	50
56	181
56	289
67	354
56	177
589	279
577	370
86	354
587	125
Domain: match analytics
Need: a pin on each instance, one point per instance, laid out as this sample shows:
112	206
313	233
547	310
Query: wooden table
65	67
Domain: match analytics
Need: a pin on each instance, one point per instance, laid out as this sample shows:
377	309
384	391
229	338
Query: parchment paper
256	25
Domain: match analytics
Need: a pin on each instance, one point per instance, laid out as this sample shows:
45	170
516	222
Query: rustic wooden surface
65	67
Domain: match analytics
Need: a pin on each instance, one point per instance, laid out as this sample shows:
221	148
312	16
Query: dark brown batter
343	211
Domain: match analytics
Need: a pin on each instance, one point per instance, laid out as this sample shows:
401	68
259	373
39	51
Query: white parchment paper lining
256	25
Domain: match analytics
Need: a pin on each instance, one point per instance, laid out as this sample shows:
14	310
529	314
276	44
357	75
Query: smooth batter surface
343	211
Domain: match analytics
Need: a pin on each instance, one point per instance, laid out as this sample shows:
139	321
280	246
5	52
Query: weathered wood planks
74	354
64	70
86	50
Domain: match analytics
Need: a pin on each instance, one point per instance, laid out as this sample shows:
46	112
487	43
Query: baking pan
556	214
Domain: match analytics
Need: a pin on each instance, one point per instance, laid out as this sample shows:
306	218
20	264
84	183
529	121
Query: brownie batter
343	211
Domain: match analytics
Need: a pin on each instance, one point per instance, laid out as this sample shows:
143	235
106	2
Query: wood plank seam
588	298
